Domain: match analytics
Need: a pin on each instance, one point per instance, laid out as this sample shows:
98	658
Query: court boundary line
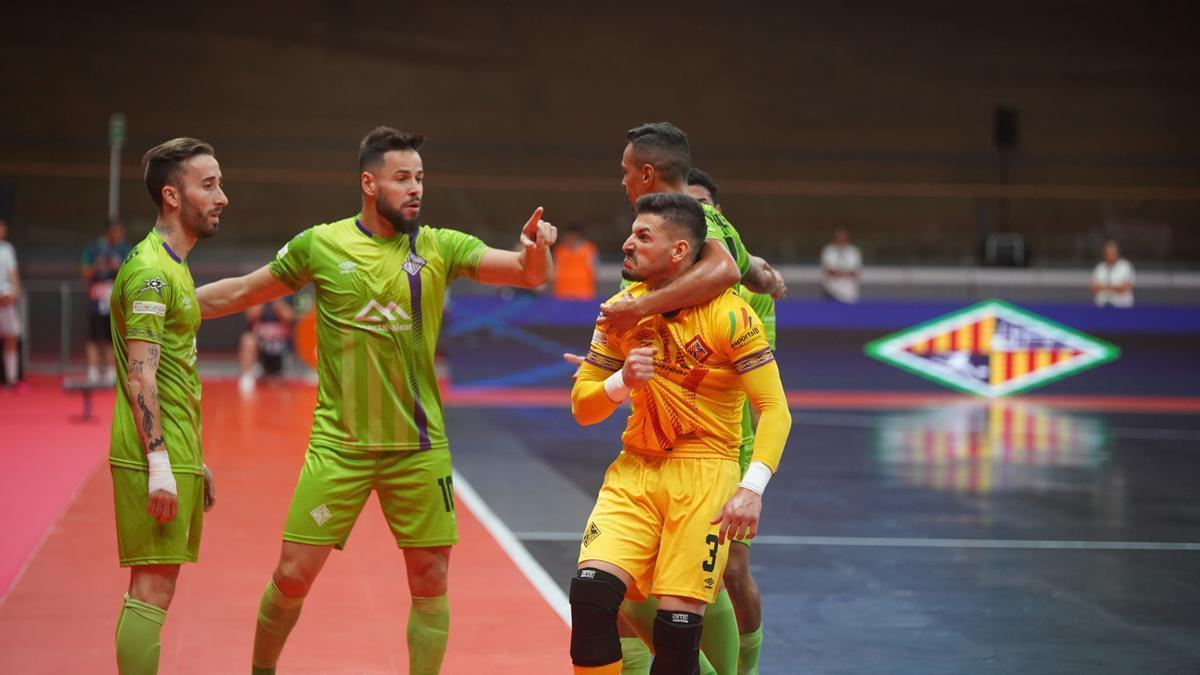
41	542
929	542
516	551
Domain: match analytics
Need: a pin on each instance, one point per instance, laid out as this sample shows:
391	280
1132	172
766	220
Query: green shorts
416	493
142	540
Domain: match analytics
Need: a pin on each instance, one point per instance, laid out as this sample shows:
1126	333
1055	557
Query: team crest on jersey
413	264
156	284
591	534
698	349
992	349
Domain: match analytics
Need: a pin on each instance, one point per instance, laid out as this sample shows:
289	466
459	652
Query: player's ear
681	250
170	196
648	174
367	182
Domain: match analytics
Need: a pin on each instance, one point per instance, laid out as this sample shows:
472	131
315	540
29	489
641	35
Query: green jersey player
380	283
161	487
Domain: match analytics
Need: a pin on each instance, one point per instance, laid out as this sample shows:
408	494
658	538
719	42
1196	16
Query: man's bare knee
153	584
428	569
298	568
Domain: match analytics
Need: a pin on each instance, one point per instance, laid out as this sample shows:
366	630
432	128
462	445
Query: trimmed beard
397	219
196	220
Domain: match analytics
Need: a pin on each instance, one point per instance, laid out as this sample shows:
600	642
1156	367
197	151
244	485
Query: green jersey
154	300
379	312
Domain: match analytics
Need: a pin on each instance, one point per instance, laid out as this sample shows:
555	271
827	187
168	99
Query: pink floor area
47	454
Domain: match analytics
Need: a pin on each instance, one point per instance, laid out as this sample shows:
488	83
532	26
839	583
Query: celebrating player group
663	583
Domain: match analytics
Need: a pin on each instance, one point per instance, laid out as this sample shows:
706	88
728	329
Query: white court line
924	542
537	575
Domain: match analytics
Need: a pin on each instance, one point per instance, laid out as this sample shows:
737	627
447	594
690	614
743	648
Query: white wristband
161	477
615	387
756	478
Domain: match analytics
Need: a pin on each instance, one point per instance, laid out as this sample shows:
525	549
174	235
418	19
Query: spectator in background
1112	280
840	263
10	315
574	266
267	338
100	263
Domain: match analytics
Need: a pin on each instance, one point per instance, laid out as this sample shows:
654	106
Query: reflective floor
971	537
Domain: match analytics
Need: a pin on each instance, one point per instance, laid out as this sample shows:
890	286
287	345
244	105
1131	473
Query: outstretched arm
714	272
527	268
235	294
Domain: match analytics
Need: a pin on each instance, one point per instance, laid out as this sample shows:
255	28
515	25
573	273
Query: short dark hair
663	146
163	163
383	140
702	178
678	210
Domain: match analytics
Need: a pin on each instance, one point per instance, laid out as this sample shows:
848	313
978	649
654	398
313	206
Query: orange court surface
59	613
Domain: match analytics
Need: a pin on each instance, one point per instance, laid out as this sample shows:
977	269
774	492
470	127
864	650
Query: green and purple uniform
378	421
154	300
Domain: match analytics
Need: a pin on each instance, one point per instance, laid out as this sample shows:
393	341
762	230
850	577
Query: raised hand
639	367
537	233
620	315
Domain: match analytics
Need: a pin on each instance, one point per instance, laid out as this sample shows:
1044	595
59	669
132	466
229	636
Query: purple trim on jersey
414	292
171	253
363	229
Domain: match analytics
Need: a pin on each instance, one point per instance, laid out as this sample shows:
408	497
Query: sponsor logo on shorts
708	583
591	534
321	515
155	308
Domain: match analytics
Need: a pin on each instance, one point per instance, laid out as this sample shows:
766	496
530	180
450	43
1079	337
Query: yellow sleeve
589	402
765	390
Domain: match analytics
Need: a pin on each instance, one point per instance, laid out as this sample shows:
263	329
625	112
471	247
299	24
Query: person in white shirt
10	317
1112	280
840	262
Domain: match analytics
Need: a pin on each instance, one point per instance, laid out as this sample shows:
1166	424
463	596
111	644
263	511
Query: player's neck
671	188
177	237
377	224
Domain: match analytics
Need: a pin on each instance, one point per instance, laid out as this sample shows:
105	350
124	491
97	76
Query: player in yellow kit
672	498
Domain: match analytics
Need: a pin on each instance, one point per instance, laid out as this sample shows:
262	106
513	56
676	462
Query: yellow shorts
651	519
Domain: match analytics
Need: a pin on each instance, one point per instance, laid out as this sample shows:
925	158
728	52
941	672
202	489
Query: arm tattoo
153	356
147	416
157	443
154	394
135	367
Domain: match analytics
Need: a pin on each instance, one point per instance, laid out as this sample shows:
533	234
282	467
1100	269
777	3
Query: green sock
428	630
277	614
751	645
635	656
640	616
138	641
719	641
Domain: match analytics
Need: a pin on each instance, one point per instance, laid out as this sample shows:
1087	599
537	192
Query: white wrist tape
756	478
161	477
615	387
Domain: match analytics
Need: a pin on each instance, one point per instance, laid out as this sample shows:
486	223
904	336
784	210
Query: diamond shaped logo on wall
992	349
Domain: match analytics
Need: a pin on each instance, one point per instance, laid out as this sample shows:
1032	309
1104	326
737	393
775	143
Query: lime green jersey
764	306
379	312
154	300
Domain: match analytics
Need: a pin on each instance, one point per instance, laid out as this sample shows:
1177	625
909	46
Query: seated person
266	340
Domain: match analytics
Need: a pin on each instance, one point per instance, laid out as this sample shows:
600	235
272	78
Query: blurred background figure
840	263
10	314
1112	280
574	266
99	265
265	343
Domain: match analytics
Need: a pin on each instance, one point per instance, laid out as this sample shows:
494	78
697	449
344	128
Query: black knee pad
676	643
595	598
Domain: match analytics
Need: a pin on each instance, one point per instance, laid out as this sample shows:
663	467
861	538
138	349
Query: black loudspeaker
1005	126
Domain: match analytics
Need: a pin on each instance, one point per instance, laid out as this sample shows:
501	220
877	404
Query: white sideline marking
923	542
537	575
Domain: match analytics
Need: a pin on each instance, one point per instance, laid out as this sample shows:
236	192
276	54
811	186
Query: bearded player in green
161	487
381	280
